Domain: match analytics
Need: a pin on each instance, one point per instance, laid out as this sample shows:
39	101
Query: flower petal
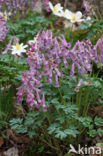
25	46
80	20
68	14
59	6
79	14
51	6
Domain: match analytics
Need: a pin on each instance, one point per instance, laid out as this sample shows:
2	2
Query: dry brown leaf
17	138
11	152
1	141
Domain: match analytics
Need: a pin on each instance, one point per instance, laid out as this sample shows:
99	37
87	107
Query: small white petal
79	14
80	20
51	6
59	6
25	46
88	18
72	21
67	14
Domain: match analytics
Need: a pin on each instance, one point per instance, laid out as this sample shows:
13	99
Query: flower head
87	6
3	28
5	15
46	5
16	5
73	17
57	9
88	18
18	49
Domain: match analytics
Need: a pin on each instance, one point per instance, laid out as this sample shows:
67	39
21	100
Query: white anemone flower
5	15
18	49
73	17
66	14
57	9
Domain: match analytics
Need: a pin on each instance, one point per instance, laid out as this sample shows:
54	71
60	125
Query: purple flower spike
3	28
47	59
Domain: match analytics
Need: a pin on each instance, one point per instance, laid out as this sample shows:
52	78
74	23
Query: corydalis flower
57	9
33	94
14	5
46	5
3	28
47	59
87	6
18	49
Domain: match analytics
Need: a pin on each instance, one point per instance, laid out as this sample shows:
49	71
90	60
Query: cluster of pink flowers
30	87
14	5
47	57
98	48
3	28
46	5
88	7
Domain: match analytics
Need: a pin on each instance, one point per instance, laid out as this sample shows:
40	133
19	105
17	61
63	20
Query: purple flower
14	5
30	98
46	5
86	6
20	94
47	58
3	28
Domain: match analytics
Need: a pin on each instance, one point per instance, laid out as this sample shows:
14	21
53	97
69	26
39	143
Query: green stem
61	96
63	101
54	140
86	107
79	101
50	145
96	15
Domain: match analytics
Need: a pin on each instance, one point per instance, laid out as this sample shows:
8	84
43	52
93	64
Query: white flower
57	9
67	13
88	18
1	14
18	49
5	15
73	17
33	41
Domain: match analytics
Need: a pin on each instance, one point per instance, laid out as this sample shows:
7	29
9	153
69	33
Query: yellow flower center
35	39
74	17
5	17
56	9
18	46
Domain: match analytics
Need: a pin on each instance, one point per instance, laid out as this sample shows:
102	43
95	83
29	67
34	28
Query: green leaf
100	131
31	133
71	132
92	133
60	134
98	121
52	128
